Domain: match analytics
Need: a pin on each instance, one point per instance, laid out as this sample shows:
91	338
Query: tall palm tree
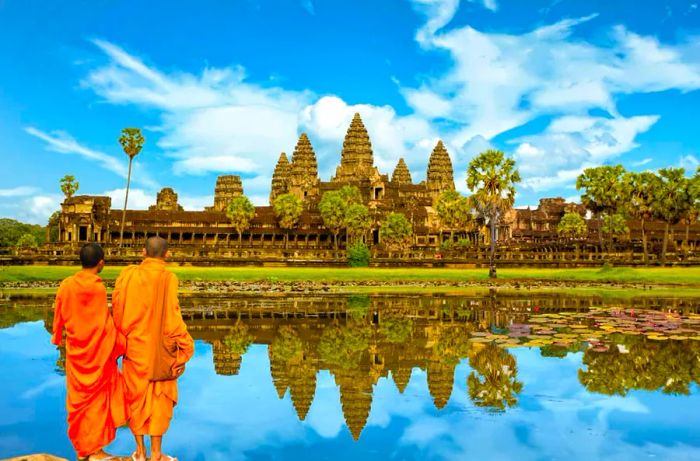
492	177
132	142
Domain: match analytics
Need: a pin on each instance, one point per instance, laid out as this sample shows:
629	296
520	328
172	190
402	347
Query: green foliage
332	208
464	244
647	365
357	221
132	141
396	330
69	186
287	345
351	195
240	211
396	231
238	340
454	210
11	231
643	190
605	190
615	225
493	383
344	346
672	200
27	241
572	225
492	178
288	209
358	255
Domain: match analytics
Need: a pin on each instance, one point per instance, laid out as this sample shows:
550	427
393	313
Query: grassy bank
689	276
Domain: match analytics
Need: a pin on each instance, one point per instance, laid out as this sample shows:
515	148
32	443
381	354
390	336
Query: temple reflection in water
360	339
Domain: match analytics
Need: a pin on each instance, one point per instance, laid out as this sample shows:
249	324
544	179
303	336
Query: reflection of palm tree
493	382
396	330
343	346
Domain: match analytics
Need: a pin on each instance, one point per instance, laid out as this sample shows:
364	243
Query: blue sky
222	87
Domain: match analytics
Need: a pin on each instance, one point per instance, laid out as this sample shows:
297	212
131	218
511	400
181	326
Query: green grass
688	276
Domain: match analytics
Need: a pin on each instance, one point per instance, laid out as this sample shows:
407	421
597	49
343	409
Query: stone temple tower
303	177
227	187
401	175
356	158
280	177
440	176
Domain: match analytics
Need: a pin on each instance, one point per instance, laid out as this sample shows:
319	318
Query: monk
95	398
150	402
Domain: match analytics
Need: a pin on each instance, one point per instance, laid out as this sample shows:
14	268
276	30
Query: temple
209	233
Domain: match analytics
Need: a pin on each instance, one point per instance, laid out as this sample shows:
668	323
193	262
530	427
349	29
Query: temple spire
356	158
303	178
401	175
280	177
440	176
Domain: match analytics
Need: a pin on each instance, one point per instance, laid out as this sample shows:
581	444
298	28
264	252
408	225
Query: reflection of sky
241	417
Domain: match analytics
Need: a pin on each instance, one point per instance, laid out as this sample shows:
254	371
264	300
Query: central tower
356	158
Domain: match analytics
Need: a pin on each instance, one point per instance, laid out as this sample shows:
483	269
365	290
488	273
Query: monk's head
92	257
156	247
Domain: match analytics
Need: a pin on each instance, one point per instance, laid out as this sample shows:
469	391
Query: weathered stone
440	176
166	200
280	177
401	175
227	188
356	158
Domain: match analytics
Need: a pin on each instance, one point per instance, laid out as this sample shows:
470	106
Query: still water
481	376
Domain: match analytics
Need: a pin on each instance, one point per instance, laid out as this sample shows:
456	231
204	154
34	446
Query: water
505	376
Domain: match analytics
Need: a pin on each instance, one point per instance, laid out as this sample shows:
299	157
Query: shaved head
91	255
156	247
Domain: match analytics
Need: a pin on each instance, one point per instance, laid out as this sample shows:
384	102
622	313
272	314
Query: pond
459	376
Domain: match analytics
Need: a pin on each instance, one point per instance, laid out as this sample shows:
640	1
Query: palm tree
671	200
132	142
643	186
492	177
69	186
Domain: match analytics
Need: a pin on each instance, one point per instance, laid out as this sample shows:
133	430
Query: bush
358	255
446	245
463	244
27	241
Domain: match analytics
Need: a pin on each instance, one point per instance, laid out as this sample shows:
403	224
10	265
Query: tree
351	195
240	211
615	225
287	208
332	208
396	231
670	201
693	212
494	382
454	211
492	178
642	193
69	186
11	231
572	226
132	142
27	241
605	192
52	226
357	221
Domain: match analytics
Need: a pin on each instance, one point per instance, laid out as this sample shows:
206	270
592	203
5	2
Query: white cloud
642	162
392	136
64	143
690	163
212	122
138	198
20	191
34	209
554	158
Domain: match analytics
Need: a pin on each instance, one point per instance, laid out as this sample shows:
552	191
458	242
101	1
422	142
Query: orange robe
95	397
150	403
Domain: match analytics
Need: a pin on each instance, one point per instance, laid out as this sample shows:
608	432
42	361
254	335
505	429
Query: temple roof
440	168
402	175
280	177
304	164
356	158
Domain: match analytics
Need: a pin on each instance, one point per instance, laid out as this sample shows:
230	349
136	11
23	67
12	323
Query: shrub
27	241
358	255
